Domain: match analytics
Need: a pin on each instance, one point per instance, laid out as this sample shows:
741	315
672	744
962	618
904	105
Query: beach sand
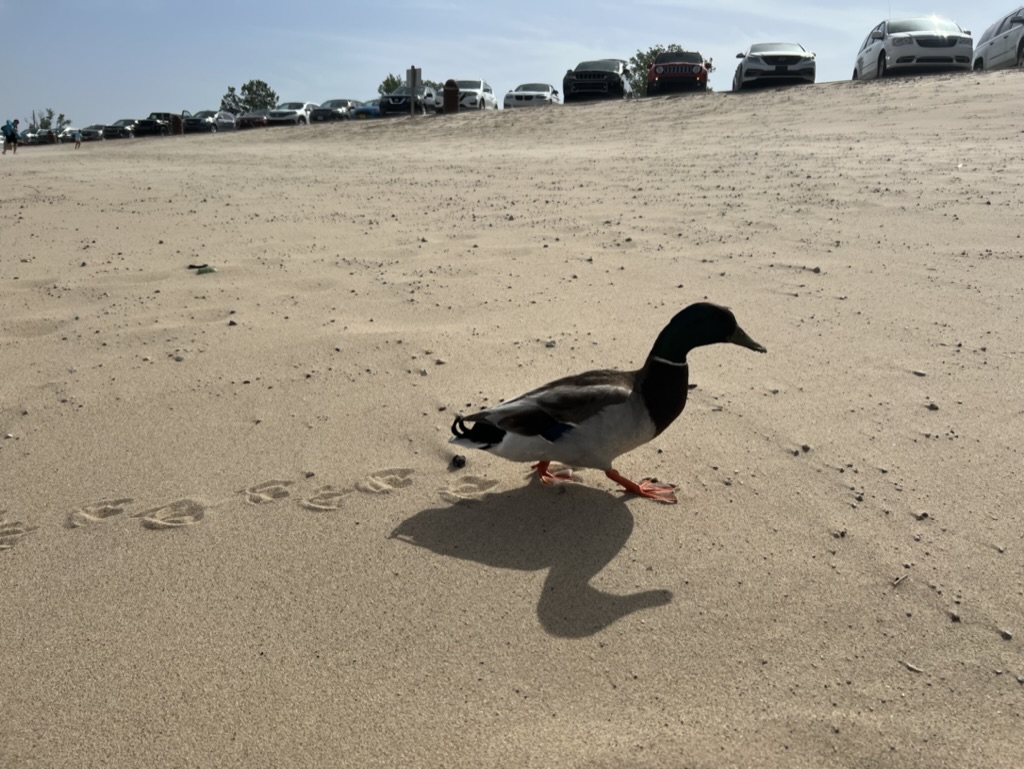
232	535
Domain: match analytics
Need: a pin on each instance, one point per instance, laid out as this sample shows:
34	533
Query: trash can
177	125
451	97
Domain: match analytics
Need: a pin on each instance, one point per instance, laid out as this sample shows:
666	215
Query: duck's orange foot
648	487
548	478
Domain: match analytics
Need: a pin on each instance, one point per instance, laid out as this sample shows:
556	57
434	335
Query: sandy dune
231	534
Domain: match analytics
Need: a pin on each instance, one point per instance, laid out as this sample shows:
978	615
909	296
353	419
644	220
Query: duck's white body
619	426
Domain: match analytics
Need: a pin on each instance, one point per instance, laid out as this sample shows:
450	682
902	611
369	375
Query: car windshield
469	85
205	113
677	56
603	65
291	105
776	47
92	128
534	87
334	104
926	24
403	90
124	122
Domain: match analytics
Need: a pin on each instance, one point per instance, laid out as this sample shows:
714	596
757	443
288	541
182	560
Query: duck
590	419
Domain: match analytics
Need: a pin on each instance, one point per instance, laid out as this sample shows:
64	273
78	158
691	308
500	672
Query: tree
44	120
232	102
258	95
391	82
254	95
641	63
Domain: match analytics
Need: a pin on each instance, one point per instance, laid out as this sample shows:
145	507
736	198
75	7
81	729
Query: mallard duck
589	419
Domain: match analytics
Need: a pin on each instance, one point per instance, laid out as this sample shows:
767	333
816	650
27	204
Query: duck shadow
573	535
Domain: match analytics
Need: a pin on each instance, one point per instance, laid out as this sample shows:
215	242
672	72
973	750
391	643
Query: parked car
774	64
67	134
255	119
600	79
475	94
152	127
334	109
169	117
398	100
366	110
291	113
92	133
678	71
1002	45
531	95
120	129
925	43
45	136
210	121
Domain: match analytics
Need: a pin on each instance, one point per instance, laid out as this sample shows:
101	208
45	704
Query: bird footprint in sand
97	512
470	488
11	533
326	498
268	491
183	512
385	481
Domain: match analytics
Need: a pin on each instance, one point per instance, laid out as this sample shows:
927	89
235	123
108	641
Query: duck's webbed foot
548	478
648	487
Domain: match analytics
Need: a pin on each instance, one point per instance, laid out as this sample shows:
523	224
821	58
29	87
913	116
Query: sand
232	534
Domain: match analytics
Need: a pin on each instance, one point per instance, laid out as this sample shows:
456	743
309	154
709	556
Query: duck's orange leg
648	487
548	478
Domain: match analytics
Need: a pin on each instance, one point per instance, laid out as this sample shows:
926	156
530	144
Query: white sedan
532	95
774	64
924	43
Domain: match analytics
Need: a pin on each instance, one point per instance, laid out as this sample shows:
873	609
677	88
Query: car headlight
659	69
902	41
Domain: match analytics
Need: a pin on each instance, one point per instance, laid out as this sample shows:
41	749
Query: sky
97	61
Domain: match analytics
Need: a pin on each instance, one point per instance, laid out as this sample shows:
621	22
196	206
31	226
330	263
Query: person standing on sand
77	135
14	138
10	135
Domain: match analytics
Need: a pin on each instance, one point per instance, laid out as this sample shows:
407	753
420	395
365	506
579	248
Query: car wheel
213	128
882	68
854	75
979	65
1020	55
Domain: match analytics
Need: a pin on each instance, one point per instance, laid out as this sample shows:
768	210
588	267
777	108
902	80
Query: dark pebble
458	461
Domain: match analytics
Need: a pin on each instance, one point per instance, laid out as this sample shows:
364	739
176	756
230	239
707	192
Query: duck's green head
700	324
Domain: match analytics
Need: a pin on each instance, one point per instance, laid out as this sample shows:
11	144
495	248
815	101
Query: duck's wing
558	406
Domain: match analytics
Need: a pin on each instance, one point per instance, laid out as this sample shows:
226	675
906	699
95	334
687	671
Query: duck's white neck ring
668	362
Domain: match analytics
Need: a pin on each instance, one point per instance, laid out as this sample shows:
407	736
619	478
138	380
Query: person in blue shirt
11	137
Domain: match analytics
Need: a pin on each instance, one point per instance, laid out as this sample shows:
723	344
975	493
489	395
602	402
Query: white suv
1002	44
476	94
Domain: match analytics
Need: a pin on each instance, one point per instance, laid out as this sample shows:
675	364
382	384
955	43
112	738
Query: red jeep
678	71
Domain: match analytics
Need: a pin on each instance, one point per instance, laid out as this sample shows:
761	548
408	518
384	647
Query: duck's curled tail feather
481	435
